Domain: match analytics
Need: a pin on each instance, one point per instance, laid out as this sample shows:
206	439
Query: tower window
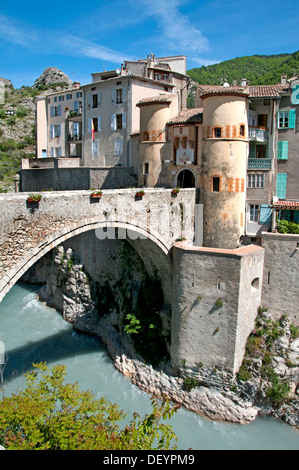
216	184
145	169
217	132
242	130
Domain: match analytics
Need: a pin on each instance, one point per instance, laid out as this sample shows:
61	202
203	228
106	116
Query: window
69	96
282	150
55	111
61	98
94	101
254	213
242	130
281	185
119	96
94	124
55	131
217	132
145	169
158	76
255	180
216	184
44	153
118	121
79	94
287	119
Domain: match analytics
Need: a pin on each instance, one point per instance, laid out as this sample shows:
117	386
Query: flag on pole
92	129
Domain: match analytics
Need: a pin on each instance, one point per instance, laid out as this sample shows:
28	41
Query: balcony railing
74	138
259	134
259	163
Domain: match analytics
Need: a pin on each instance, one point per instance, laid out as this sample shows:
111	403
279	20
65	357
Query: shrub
50	414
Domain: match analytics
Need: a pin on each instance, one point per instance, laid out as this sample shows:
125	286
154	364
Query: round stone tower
155	112
224	166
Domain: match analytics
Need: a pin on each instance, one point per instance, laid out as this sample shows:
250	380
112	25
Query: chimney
244	82
284	79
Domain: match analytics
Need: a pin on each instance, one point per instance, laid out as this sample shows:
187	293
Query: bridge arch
133	233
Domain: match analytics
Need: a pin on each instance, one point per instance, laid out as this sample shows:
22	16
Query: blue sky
81	38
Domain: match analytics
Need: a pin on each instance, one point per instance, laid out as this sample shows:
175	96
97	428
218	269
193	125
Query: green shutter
292	118
282	150
281	185
296	217
265	214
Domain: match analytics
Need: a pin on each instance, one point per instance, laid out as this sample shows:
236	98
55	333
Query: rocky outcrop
52	76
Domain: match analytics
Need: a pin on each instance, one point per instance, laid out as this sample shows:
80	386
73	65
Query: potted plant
96	194
175	190
140	193
34	198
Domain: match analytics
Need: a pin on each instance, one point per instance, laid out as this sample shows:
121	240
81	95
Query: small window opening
216	184
146	168
217	132
242	130
256	282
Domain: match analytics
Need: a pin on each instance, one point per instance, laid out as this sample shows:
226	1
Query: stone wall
76	178
281	274
216	297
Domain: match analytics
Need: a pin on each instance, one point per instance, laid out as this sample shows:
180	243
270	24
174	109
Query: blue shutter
59	110
113	122
265	214
51	131
282	150
89	129
281	185
99	123
292	118
52	111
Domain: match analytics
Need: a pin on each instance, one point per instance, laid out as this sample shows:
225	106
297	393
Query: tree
52	415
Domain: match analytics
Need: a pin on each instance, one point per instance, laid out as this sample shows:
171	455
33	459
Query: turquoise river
34	333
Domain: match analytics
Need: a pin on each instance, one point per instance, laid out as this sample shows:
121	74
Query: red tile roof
257	91
187	116
162	98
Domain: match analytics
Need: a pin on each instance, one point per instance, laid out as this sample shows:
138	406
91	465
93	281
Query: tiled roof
187	116
216	89
267	91
286	205
257	91
162	98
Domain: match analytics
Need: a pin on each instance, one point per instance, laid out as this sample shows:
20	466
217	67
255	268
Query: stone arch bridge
30	230
214	293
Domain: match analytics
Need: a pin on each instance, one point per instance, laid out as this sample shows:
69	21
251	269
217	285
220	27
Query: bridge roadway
29	230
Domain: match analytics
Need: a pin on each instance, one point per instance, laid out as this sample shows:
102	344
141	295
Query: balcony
259	163
259	134
74	138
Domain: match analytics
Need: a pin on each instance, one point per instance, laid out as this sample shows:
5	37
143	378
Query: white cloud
47	41
177	28
12	31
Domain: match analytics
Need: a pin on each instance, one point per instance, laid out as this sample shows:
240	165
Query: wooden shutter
89	101
89	128
124	121
282	150
51	131
281	185
113	96
113	122
99	123
265	214
59	110
292	118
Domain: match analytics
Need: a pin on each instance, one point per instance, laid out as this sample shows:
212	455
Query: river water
33	333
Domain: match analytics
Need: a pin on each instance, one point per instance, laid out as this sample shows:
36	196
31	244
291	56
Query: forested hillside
258	70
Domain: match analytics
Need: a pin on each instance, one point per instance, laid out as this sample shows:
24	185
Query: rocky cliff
17	121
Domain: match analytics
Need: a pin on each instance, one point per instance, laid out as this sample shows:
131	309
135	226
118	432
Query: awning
286	205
